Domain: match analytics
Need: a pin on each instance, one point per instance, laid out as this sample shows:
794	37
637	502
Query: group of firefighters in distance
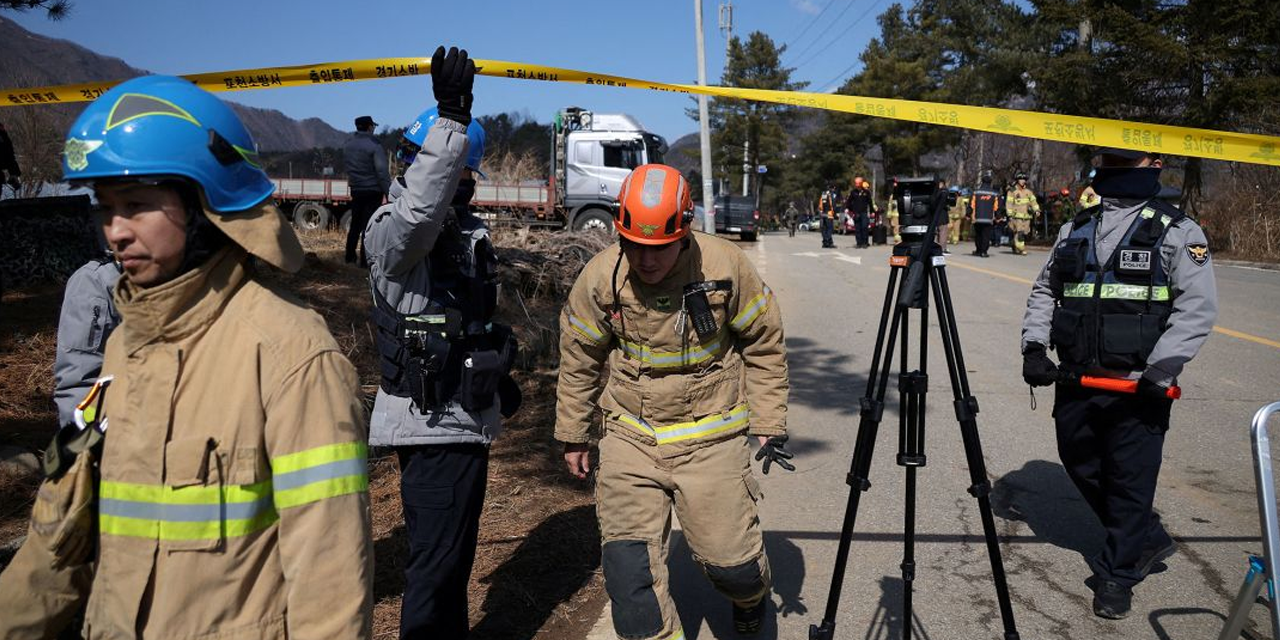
243	513
986	212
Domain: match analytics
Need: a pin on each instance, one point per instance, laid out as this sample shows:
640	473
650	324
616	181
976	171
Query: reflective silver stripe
651	193
328	471
692	355
756	307
585	329
167	512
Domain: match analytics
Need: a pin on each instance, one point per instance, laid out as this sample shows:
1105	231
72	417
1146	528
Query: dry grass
537	566
1244	221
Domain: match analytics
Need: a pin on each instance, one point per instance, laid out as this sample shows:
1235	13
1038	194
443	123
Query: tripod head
921	201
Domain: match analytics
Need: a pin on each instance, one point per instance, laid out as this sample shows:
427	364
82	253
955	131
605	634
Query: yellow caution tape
1158	138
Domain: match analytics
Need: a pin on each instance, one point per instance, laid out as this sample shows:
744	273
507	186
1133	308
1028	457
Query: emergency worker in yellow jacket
692	340
1021	205
232	501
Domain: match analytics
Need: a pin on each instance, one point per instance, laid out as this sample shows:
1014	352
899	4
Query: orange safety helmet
654	205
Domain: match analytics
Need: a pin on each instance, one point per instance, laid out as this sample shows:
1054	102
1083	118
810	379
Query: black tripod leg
966	407
864	446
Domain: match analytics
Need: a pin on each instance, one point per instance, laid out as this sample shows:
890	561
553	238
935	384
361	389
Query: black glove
1037	369
452	76
774	451
1150	389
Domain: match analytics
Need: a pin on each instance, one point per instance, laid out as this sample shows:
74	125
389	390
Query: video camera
920	201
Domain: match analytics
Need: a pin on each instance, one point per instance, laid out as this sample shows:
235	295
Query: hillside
31	59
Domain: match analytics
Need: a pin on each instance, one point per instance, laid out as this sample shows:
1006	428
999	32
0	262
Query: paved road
831	302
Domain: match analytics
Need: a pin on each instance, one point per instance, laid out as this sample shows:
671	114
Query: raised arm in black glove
1037	369
774	451
452	76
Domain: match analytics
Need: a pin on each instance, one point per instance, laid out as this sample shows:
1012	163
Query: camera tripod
917	267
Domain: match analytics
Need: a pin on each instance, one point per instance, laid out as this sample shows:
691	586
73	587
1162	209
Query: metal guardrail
1262	571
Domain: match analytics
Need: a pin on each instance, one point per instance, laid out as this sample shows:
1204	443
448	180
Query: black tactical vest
1111	315
452	350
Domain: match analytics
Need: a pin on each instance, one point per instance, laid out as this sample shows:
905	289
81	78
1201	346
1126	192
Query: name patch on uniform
1135	260
1198	252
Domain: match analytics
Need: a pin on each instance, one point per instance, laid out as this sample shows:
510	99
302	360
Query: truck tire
345	224
310	217
748	236
593	220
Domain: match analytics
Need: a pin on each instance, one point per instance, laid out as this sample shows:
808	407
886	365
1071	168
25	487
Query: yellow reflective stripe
1134	292
162	512
710	425
754	308
322	490
203	530
323	472
318	456
1077	290
585	328
1116	291
668	359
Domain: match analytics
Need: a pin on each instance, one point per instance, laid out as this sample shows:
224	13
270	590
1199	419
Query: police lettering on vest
1111	315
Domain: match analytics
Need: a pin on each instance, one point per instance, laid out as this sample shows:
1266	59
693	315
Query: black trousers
442	487
363	204
1111	446
982	237
860	229
828	225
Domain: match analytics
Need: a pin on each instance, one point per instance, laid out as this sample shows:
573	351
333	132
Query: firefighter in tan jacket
692	340
232	499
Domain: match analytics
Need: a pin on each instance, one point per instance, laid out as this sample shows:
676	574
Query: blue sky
650	40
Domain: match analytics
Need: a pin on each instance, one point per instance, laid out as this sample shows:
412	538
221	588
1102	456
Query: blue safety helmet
167	126
416	134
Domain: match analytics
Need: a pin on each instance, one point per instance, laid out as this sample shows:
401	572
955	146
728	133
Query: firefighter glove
1037	369
452	76
775	451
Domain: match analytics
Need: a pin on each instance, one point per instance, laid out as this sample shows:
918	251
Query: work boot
1111	600
746	621
1150	556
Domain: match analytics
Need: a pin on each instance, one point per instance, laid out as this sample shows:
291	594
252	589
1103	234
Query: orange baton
1123	386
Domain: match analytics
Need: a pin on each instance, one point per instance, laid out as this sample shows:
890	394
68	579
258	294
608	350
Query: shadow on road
1041	495
1162	634
696	600
886	622
824	377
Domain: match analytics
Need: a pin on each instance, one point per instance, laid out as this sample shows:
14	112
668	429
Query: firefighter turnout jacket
233	495
1022	204
1128	291
667	385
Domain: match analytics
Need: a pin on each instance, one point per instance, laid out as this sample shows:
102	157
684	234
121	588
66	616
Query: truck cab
591	155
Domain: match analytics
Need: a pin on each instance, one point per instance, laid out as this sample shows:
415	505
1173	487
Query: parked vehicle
737	214
591	154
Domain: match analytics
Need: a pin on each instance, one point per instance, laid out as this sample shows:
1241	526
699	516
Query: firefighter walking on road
1128	292
1022	206
692	340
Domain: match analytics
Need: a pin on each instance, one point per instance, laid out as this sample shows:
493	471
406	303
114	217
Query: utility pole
704	127
746	168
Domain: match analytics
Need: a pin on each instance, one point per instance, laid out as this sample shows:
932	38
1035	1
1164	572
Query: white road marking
851	259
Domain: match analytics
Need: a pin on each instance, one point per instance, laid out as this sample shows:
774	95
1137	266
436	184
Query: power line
810	24
862	17
830	24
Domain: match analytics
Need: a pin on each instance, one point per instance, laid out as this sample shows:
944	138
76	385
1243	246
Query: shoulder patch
1198	252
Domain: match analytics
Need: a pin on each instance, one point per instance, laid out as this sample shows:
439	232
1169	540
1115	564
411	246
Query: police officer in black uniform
1128	292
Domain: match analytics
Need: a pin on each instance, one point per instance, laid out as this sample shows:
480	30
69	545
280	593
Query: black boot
1111	600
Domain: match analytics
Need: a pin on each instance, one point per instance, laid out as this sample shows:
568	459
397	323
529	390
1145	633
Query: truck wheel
593	220
310	217
748	236
345	224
